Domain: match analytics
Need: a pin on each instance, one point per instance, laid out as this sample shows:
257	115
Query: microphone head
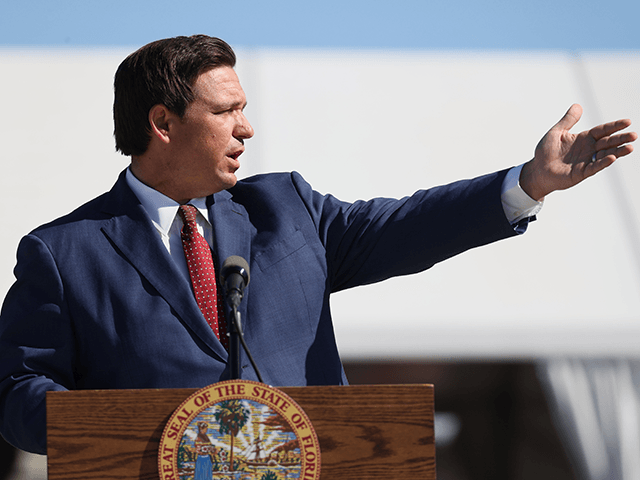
235	264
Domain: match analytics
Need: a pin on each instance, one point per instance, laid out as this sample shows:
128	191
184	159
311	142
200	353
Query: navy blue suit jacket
99	303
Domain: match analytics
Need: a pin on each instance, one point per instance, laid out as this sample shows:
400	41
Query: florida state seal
239	429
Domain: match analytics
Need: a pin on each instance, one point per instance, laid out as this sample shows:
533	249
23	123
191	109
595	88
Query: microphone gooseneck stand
235	277
236	337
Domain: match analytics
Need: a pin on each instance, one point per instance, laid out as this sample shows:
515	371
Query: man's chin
232	179
227	181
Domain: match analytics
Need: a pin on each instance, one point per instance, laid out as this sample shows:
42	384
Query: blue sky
394	24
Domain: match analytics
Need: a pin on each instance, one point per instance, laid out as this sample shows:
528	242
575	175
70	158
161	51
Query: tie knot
188	213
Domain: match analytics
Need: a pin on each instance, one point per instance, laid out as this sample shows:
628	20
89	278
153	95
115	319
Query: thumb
570	118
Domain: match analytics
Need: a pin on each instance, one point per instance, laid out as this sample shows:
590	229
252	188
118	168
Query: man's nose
244	128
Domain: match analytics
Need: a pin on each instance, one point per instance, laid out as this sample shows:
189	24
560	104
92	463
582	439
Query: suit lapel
132	232
231	236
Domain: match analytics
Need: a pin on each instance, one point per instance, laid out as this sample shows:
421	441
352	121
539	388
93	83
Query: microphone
235	278
234	275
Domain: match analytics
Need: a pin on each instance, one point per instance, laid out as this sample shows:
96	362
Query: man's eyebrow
230	105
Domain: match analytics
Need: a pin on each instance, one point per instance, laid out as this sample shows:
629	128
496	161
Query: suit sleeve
369	241
36	346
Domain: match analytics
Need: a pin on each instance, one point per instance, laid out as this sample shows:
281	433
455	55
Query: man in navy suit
103	297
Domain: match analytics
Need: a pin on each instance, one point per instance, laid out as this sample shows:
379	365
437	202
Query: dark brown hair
161	72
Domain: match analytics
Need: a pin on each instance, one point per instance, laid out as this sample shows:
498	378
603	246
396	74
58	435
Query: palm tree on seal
232	415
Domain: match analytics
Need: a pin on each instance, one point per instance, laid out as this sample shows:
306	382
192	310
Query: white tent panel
361	124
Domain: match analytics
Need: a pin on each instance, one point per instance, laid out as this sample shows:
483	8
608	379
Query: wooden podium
365	432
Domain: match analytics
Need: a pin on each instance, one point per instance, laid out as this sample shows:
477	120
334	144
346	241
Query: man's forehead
219	78
219	85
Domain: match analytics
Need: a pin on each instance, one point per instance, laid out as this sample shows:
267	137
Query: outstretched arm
564	159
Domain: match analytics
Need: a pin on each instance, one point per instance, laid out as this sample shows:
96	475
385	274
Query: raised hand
563	159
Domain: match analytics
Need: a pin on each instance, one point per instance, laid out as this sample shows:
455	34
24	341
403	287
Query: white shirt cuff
515	202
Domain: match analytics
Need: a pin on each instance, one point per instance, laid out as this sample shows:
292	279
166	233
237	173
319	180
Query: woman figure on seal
204	449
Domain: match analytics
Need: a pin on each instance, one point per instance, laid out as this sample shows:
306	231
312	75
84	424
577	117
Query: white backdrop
383	123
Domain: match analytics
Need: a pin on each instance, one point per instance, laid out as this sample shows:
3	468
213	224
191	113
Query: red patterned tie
202	273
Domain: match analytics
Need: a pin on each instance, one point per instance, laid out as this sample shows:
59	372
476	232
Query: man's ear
159	120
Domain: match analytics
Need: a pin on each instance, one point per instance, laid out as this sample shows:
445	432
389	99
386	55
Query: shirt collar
158	206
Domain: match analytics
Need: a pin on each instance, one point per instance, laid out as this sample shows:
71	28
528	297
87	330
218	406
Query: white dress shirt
164	215
516	203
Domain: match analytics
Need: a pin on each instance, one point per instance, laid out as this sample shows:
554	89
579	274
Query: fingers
607	129
601	133
616	140
610	147
613	153
570	118
602	163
